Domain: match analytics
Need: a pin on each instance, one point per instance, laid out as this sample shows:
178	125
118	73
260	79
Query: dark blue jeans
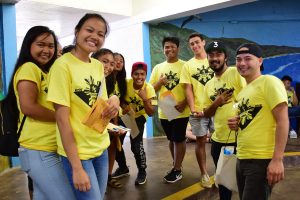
224	193
294	111
252	180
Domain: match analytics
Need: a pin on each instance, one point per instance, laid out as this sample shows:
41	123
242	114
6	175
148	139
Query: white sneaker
293	134
205	181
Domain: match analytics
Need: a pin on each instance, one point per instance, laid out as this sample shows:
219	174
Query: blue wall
266	22
8	42
147	59
9	48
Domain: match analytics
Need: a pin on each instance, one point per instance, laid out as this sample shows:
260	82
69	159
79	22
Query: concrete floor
13	181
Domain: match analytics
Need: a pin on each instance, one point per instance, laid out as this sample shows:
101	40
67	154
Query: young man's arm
161	81
295	99
275	170
190	96
149	108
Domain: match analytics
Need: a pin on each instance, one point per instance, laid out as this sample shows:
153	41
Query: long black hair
121	80
110	83
25	56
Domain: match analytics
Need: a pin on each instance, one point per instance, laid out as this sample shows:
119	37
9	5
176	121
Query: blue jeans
294	111
48	176
97	170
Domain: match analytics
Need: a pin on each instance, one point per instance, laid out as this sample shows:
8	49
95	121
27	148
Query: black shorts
175	129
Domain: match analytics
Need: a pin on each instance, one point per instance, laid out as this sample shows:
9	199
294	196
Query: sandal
114	183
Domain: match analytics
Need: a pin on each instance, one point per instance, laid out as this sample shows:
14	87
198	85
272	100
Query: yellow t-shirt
290	96
256	138
172	71
197	73
76	84
230	79
135	101
117	90
36	135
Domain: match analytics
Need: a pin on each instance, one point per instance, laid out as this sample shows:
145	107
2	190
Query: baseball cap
139	65
216	46
252	49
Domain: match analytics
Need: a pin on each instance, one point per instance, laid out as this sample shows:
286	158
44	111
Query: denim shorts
201	125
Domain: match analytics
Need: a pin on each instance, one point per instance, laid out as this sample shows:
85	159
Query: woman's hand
113	107
81	180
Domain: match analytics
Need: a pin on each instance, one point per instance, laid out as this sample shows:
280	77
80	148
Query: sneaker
173	176
168	172
119	173
141	178
205	181
292	134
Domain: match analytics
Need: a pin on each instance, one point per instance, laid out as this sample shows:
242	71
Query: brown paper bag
93	118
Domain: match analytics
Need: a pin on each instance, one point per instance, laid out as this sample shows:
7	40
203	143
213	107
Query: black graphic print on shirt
137	104
173	80
203	75
247	112
90	92
220	90
118	94
45	89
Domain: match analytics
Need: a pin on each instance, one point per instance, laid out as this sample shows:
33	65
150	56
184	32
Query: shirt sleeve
29	72
153	76
185	76
275	92
59	84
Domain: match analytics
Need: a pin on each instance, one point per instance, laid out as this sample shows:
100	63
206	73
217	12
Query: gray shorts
201	126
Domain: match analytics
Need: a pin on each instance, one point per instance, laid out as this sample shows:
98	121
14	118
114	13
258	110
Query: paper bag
93	118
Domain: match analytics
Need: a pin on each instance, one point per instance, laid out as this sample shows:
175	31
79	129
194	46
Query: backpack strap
22	124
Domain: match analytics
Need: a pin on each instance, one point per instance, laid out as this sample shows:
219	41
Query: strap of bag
235	140
22	124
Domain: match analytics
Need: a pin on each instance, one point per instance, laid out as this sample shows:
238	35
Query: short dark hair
195	35
88	16
68	48
174	40
287	78
102	51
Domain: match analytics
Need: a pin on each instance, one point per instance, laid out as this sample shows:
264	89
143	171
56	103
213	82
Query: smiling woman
76	82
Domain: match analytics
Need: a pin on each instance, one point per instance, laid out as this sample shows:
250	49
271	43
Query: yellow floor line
196	188
297	153
187	192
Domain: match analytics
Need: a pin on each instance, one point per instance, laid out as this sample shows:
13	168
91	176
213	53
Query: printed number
216	44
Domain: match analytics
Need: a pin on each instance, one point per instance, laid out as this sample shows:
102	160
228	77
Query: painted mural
274	25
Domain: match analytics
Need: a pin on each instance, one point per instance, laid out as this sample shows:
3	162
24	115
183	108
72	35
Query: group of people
293	103
55	94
